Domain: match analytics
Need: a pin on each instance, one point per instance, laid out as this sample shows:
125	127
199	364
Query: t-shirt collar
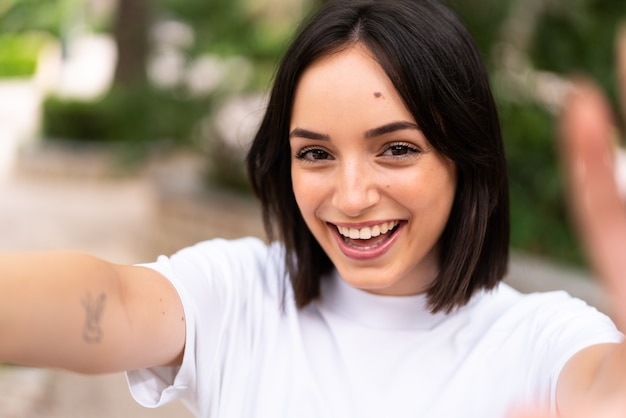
377	311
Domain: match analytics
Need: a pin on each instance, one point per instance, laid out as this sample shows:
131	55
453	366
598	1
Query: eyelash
405	146
306	154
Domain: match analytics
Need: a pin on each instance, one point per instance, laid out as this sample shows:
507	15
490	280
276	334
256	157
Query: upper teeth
367	232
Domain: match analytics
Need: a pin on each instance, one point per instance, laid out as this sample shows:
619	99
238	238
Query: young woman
381	171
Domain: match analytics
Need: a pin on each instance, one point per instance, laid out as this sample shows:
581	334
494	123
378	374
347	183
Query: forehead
346	84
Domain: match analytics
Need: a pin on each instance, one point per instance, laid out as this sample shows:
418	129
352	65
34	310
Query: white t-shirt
352	353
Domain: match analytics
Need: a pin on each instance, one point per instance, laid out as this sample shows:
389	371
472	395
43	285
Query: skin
360	160
76	312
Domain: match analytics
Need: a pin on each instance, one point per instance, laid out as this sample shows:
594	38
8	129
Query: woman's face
372	190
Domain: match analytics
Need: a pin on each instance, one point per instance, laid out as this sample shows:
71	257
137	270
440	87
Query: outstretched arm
589	140
77	312
593	383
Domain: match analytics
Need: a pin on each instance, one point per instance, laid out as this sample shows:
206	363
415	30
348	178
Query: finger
621	65
621	78
587	132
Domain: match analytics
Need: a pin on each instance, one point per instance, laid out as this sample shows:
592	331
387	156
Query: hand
588	139
588	148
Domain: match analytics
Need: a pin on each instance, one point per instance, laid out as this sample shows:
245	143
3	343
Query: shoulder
552	326
221	264
244	253
542	317
505	299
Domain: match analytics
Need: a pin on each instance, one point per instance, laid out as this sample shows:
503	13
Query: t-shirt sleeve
223	285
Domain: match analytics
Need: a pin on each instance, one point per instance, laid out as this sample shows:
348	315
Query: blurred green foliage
569	36
229	27
139	119
150	114
539	218
19	53
26	26
52	16
581	39
483	18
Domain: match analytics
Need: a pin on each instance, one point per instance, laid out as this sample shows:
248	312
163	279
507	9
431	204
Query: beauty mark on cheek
378	94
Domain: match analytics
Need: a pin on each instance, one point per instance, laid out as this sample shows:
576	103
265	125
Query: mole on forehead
378	94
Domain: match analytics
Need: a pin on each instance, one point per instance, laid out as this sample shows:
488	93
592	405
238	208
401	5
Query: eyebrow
389	128
370	133
306	134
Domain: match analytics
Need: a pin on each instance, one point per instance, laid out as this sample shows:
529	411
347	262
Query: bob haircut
437	70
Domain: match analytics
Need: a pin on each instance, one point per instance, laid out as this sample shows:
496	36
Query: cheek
430	191
308	198
304	192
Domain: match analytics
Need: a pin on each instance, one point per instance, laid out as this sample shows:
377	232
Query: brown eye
313	154
400	150
318	154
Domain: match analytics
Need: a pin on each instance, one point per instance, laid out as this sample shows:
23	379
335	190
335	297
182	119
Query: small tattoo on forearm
92	331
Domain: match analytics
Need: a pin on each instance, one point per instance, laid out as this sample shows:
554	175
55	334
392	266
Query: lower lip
369	253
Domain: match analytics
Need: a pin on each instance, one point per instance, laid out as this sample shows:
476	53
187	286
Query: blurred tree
133	19
578	35
225	27
484	19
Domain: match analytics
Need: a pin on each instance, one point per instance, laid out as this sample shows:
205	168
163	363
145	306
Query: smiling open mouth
368	237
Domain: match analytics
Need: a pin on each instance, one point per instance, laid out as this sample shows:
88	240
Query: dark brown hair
437	70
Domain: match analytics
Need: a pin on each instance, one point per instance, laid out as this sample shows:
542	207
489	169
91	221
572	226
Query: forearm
591	376
58	310
611	371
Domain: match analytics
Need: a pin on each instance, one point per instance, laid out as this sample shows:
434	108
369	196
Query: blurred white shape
8	146
87	71
551	90
49	65
19	119
166	67
209	73
237	121
239	71
204	75
172	34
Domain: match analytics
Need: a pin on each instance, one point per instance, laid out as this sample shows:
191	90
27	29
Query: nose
356	189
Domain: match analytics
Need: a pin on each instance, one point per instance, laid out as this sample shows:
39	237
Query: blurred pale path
75	396
111	219
108	219
19	119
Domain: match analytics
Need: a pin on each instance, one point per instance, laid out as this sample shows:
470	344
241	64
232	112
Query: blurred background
124	124
143	80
